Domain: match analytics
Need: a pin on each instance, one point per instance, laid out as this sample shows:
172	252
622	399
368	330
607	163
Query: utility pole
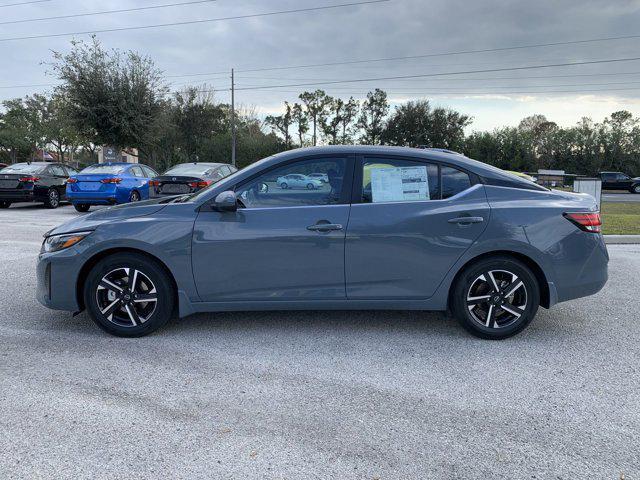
233	121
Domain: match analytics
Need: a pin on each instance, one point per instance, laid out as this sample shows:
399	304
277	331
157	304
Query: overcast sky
380	30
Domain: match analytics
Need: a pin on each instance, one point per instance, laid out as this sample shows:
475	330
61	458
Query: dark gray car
393	228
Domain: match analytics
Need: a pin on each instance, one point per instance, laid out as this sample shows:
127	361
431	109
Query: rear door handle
324	227
466	220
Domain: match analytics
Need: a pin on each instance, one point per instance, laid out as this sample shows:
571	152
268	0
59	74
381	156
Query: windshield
190	169
22	168
103	169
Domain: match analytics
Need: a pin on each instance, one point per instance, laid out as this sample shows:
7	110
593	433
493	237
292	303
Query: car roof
436	154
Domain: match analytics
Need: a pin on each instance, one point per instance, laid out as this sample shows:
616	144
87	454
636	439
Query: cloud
396	28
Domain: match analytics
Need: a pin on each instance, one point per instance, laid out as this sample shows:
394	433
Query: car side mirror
226	202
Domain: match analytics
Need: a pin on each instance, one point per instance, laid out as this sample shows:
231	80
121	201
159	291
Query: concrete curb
621	239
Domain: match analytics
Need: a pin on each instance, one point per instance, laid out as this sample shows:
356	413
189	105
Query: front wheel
284	185
496	298
53	199
311	186
81	207
129	295
4	204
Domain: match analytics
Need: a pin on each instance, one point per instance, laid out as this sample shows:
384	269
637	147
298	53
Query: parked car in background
323	177
109	184
34	182
189	178
619	181
432	231
297	180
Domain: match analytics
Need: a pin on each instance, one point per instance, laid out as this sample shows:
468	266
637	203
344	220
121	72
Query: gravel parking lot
363	395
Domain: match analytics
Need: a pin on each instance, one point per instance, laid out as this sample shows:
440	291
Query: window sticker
400	184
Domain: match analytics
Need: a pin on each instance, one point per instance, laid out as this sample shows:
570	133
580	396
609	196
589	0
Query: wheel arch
536	269
92	261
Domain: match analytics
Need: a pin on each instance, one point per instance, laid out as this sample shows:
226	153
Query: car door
139	181
280	244
623	181
411	220
60	178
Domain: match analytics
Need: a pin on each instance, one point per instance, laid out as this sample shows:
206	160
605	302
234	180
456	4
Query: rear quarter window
454	181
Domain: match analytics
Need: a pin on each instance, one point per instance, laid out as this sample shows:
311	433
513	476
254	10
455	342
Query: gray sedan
394	228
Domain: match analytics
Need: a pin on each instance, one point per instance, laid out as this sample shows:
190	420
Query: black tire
81	207
53	198
134	197
284	185
4	204
129	317
501	323
635	188
311	186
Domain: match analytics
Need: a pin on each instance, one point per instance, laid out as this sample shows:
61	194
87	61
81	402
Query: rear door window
399	180
136	171
57	171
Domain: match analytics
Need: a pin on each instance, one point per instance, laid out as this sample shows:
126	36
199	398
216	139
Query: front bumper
57	277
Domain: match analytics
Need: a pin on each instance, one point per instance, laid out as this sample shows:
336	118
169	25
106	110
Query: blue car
393	228
109	184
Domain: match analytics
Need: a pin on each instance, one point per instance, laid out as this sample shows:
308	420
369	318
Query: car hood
111	214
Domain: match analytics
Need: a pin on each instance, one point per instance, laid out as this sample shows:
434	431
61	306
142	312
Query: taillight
72	180
111	180
154	183
29	179
586	221
200	184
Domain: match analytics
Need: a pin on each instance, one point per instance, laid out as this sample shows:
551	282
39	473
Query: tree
113	97
18	135
372	114
415	123
316	104
300	118
337	124
282	123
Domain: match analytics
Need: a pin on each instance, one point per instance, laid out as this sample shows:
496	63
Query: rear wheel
129	295
496	298
311	186
284	185
135	196
81	207
4	204
636	188
53	199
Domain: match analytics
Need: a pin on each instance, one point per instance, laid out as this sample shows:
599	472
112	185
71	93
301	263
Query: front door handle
324	227
466	220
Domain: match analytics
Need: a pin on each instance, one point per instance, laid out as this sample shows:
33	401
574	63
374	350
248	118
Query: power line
192	22
429	55
440	74
499	87
104	12
23	3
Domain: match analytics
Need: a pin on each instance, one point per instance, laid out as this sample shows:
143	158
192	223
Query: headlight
56	243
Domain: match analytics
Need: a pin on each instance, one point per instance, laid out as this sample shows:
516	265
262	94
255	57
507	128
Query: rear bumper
18	196
589	275
90	198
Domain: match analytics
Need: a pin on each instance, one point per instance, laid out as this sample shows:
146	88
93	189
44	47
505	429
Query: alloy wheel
497	299
54	198
126	297
135	196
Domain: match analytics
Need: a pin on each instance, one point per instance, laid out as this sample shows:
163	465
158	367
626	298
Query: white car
297	180
323	177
